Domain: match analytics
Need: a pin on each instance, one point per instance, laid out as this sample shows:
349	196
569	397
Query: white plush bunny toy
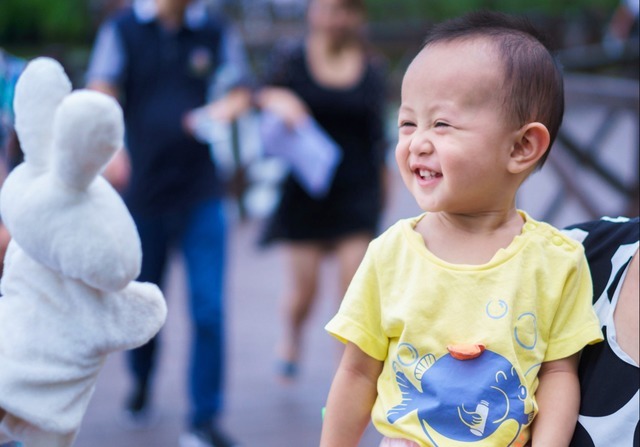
68	292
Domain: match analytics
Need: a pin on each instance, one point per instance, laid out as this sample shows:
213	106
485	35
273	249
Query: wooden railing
602	153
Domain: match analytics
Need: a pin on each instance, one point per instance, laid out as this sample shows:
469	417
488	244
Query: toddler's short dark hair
534	87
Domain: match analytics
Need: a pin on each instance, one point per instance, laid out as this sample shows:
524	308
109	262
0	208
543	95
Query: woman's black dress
353	117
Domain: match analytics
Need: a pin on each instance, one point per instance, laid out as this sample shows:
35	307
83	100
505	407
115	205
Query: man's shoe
137	413
206	436
137	400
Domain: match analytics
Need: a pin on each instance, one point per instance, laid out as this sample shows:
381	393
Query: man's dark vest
167	74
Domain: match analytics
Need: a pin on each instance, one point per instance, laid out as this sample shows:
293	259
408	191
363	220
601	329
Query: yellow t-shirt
530	304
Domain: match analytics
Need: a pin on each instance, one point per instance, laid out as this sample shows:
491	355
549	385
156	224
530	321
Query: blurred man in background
160	58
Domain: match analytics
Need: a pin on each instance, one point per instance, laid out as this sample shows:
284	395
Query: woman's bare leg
350	252
303	261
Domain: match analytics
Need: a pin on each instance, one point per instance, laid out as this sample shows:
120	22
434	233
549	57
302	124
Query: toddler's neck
469	239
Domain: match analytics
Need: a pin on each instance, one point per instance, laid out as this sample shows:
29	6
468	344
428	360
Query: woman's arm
283	102
558	398
352	395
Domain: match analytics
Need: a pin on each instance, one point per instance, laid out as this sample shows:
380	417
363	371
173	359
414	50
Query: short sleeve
234	68
575	323
108	59
359	318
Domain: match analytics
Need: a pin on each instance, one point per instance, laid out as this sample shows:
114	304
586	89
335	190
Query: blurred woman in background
333	77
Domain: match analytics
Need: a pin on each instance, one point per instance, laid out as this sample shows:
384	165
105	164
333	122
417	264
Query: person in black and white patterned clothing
609	374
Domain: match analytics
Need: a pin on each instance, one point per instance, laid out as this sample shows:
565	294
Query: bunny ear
39	90
88	128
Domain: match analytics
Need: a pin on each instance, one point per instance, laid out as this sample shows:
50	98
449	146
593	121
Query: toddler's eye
406	124
441	124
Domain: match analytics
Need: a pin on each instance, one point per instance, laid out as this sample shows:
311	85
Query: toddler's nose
421	144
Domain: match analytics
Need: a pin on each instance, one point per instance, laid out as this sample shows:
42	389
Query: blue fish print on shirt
464	400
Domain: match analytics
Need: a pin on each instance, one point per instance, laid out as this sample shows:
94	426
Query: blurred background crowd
591	172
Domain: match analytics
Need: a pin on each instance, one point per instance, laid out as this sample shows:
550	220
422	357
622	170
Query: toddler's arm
558	397
351	398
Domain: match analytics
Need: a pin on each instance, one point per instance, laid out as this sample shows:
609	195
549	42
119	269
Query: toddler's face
454	139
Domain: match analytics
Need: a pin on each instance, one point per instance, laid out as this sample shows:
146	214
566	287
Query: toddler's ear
531	144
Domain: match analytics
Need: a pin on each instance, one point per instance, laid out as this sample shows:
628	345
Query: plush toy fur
68	292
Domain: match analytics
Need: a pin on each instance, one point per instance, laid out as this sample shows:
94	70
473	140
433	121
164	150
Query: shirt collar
194	18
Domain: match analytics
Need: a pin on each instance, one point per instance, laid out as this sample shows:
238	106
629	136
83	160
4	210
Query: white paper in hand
311	154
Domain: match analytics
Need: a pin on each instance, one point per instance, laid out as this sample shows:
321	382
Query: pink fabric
395	442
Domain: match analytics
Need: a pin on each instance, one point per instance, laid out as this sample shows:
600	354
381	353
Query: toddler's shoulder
553	239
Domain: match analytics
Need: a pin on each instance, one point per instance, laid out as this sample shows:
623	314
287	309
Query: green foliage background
436	10
24	22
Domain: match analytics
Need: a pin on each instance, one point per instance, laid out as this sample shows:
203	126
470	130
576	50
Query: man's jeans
200	233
